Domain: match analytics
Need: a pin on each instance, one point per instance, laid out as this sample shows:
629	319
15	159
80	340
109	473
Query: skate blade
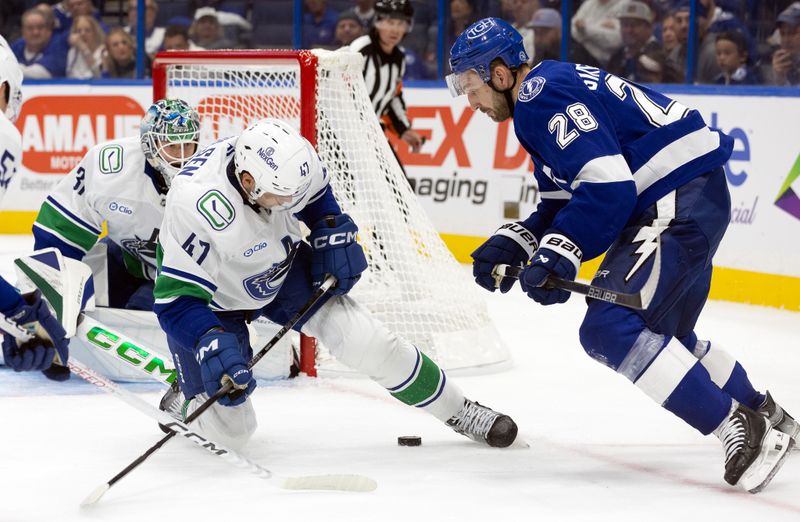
775	448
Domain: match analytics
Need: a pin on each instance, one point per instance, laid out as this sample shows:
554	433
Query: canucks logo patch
530	88
264	286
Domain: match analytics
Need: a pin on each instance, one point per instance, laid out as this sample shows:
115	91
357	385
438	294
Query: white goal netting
414	285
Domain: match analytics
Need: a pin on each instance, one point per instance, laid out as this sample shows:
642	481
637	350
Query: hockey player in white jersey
122	183
231	249
21	315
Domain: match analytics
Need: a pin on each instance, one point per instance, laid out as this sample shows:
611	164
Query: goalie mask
169	135
11	75
279	159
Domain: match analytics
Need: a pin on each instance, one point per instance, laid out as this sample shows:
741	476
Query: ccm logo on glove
339	238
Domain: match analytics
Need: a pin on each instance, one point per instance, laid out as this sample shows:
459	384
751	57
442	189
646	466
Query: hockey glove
336	252
558	257
512	244
221	360
31	314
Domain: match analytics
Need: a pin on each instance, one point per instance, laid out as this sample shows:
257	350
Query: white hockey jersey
10	153
114	184
217	247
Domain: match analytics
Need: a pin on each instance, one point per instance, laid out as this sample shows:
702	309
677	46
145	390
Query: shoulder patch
216	209
111	159
530	88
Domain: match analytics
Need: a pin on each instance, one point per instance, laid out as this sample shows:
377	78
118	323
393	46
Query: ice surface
599	449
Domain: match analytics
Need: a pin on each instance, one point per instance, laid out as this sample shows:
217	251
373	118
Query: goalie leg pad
363	343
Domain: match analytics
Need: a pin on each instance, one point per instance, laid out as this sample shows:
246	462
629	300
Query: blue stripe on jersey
191	277
410	377
73	217
45	239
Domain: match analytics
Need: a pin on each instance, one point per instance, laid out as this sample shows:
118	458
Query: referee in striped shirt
385	65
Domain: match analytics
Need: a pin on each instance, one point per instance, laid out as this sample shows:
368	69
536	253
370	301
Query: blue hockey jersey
604	149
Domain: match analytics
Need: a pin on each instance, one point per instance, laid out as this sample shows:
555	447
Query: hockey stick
325	482
334	482
636	301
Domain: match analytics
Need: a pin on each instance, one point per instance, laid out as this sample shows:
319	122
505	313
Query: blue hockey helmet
476	48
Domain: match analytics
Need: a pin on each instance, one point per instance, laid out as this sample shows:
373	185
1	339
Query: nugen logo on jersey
266	155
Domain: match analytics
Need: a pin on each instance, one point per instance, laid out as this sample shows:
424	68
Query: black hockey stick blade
592	292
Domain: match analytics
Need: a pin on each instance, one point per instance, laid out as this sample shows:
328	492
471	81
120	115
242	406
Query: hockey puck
409	440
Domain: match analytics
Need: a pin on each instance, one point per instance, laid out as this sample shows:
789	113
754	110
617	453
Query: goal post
414	284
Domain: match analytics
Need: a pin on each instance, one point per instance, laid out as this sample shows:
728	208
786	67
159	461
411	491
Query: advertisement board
472	175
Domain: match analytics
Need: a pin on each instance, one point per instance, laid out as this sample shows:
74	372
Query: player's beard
500	110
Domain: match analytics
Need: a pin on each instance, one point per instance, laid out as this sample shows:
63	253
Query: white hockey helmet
279	159
11	75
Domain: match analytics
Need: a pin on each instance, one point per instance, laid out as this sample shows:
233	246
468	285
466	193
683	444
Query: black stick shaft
593	292
330	281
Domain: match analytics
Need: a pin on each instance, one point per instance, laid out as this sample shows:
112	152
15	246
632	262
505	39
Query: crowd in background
744	42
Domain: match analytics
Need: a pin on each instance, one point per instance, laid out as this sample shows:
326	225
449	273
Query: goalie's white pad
66	284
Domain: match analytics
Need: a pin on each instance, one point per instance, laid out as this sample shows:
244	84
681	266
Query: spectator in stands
85	55
206	30
462	15
636	30
176	38
365	11
669	36
319	24
596	27
706	64
786	59
651	67
40	54
732	59
348	28
67	10
153	36
119	60
546	23
522	12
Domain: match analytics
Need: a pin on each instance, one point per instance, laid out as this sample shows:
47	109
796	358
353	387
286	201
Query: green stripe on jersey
133	264
51	218
167	287
424	386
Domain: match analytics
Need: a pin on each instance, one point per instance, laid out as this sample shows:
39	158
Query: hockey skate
172	402
483	424
779	419
754	451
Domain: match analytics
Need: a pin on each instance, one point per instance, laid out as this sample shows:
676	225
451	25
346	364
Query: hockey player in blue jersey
624	170
22	317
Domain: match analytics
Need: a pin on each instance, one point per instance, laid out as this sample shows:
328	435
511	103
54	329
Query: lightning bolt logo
648	237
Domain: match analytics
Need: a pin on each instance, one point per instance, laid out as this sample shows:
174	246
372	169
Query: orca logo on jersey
480	29
530	88
264	286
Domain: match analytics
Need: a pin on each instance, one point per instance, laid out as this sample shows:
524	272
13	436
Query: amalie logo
58	130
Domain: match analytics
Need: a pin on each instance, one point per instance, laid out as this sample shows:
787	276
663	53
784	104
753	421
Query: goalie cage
414	284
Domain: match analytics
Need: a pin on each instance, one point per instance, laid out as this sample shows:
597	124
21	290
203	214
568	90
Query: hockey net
414	284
